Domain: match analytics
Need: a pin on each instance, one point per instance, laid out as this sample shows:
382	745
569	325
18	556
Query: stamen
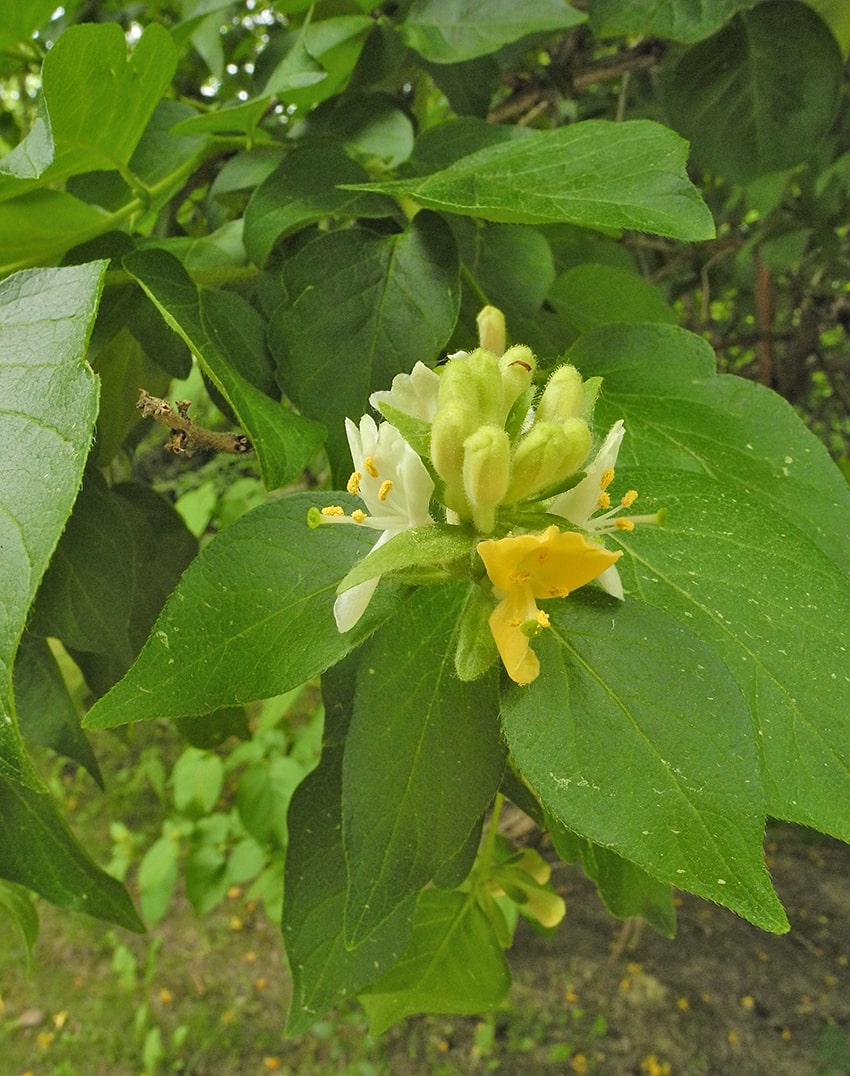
607	478
384	491
624	524
333	510
520	577
629	498
369	466
557	592
358	515
353	484
604	501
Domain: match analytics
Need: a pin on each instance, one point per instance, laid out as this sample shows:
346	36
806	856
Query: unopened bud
486	473
517	367
563	396
546	455
449	430
476	380
491	330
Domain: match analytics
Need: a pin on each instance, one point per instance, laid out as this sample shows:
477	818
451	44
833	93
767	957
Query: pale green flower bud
475	379
486	473
517	367
563	396
491	330
451	426
546	455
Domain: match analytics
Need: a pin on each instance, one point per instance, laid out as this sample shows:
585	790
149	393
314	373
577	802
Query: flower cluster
476	445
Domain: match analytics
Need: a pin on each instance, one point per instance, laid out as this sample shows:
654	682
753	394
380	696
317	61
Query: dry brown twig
186	435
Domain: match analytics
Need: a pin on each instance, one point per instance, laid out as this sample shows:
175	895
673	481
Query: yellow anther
607	478
623	524
542	618
520	577
353	484
557	592
543	554
628	499
333	510
358	515
604	501
369	464
384	491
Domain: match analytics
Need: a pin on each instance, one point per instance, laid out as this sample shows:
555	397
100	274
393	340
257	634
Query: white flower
579	504
395	487
413	394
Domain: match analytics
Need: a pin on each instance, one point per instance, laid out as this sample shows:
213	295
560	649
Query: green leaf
205	873
48	404
46	712
238	119
157	876
754	558
196	782
370	126
302	190
453	964
597	173
263	795
37	850
385	302
671	19
592	295
120	556
98	100
778	70
625	889
237	626
40	226
624	690
511	263
324	971
285	442
320	60
18	905
413	548
449	31
19	20
422	746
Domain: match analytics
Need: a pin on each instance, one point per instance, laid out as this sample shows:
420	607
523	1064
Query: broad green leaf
623	691
19	20
597	173
48	406
449	31
324	971
778	70
625	889
18	905
40	226
284	441
468	86
453	964
37	850
421	546
205	873
196	782
588	296
46	712
385	303
158	872
240	119
235	628
755	555
262	797
302	190
120	556
440	146
511	264
320	61
423	758
371	126
676	20
98	99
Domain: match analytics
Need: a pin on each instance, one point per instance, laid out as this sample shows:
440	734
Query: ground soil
598	996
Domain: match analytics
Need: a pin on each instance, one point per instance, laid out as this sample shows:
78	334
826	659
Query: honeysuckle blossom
413	394
528	567
395	486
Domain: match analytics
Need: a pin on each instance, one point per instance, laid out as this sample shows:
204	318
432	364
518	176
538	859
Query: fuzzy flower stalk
503	460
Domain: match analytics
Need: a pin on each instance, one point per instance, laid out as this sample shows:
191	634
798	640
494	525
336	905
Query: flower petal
506	622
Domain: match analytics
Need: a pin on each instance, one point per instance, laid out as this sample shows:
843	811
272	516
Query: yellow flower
529	567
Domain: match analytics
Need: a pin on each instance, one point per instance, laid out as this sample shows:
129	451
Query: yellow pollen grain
369	466
358	515
384	491
520	577
629	498
604	501
624	525
558	592
333	510
607	478
353	484
542	618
